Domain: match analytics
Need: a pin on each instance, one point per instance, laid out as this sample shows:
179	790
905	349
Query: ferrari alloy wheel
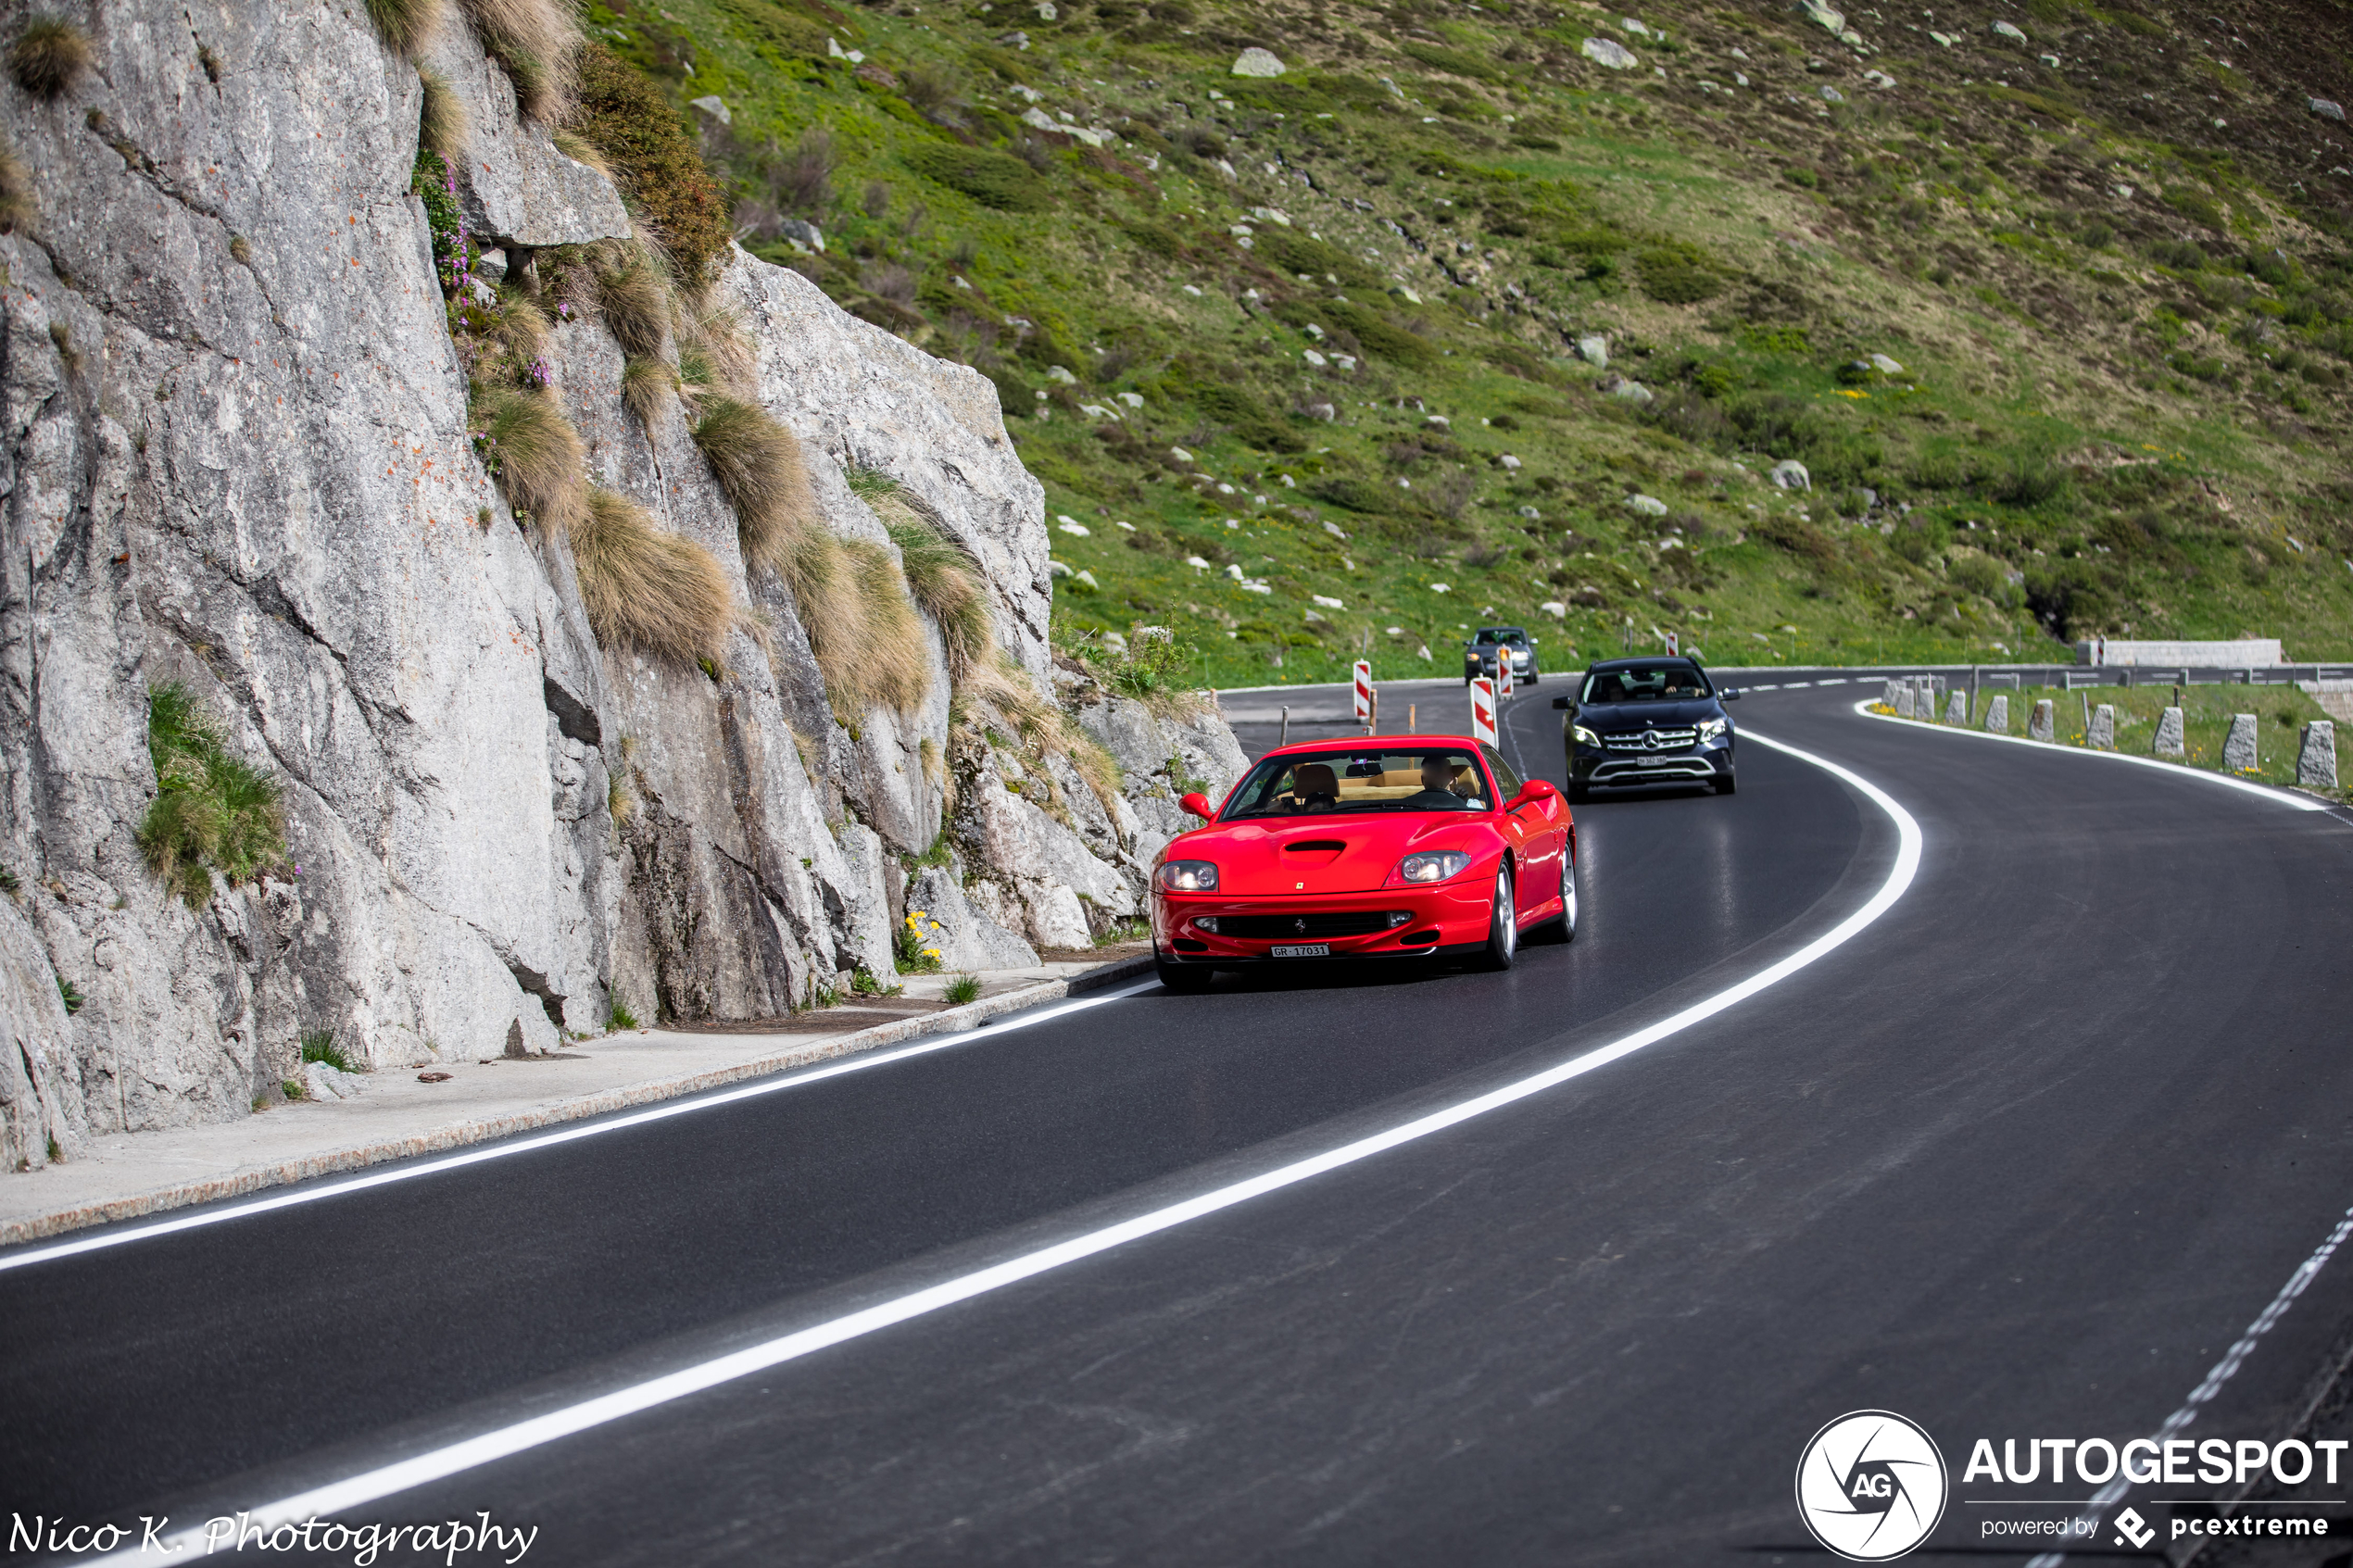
1562	927
1503	924
1182	977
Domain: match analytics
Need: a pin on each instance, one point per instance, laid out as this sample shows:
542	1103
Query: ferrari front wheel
1502	925
1181	978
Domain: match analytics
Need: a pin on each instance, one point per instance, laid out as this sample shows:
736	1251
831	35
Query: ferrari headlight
1711	727
1586	737
1188	876
1434	865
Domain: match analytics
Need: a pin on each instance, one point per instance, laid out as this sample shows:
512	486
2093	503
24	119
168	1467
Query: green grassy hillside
2058	322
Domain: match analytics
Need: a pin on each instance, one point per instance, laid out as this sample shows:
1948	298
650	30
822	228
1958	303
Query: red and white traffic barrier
1482	692
1364	691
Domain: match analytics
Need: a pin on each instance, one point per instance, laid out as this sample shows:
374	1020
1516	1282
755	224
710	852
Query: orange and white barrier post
1365	693
1482	692
1503	673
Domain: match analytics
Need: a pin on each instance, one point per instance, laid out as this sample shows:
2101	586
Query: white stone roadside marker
2316	764
2239	754
1956	709
2101	736
2169	734
1997	715
2040	725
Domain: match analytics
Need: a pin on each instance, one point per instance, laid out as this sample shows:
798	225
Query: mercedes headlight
1188	876
1434	865
1711	727
1586	737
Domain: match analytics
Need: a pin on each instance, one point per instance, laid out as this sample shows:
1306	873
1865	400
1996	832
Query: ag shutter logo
1871	1485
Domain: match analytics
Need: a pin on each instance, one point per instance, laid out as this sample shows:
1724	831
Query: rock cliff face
236	457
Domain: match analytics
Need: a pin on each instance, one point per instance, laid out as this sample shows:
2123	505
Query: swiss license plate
1301	950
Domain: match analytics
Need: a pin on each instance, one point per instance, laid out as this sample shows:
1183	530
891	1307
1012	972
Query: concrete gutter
133	1174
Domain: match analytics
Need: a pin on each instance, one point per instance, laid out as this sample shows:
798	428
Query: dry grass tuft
635	304
648	589
578	148
890	664
534	453
714	335
441	127
757	463
49	56
17	211
1044	725
645	385
538	43
406	25
944	580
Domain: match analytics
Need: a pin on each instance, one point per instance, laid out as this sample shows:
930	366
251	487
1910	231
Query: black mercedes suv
1647	721
1492	643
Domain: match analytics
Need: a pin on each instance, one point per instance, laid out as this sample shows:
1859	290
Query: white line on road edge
2179	770
457	1457
31	1254
2232	1360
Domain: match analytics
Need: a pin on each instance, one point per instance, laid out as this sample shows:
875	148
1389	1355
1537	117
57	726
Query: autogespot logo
1871	1485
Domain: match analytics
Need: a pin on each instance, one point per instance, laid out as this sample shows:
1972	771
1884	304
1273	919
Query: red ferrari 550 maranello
1387	847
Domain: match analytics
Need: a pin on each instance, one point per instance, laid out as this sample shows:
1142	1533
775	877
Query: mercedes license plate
1302	950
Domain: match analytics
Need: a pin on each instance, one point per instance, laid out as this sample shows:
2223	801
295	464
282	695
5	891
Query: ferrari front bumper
1388	923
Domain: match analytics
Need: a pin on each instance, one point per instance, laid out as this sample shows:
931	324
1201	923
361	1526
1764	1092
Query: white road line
2222	1371
2179	770
437	1464
31	1254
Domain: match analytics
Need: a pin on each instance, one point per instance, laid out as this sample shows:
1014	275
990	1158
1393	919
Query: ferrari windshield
1646	683
1314	783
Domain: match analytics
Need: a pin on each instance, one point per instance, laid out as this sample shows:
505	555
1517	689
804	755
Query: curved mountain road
2023	1158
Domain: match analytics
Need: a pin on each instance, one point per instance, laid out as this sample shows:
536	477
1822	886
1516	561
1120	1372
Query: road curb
355	1157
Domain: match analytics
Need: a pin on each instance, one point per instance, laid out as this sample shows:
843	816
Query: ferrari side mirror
1532	791
1198	804
1560	703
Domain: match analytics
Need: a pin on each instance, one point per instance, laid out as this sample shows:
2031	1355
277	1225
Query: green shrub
1441	59
49	56
961	988
319	1045
1679	275
70	995
991	179
212	811
620	1018
406	25
648	589
626	118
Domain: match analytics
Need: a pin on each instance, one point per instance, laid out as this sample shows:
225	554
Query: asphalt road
2023	1158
